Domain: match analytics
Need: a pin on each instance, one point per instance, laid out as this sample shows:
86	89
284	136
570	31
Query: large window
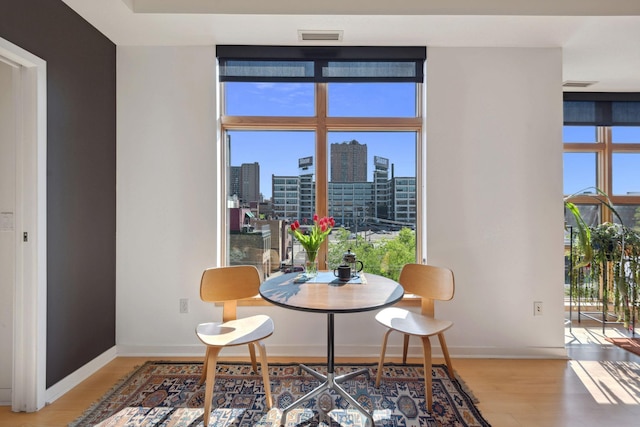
602	150
343	146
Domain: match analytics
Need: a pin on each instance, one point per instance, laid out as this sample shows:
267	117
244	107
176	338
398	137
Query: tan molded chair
227	285
430	283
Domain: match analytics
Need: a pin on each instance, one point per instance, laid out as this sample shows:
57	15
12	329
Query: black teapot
349	258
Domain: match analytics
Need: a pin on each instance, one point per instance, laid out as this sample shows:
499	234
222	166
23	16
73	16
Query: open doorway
24	224
7	227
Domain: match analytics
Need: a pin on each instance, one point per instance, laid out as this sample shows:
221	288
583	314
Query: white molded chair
227	285
430	283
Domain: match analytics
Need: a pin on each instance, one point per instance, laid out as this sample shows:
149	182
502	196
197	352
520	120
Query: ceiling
600	39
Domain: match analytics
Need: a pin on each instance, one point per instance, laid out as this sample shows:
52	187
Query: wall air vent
320	35
575	83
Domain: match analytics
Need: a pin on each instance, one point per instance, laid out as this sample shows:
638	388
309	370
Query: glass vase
311	263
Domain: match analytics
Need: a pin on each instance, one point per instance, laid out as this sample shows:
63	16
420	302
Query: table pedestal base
331	382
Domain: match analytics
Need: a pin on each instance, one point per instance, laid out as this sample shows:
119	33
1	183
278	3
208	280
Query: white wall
166	177
495	210
494	146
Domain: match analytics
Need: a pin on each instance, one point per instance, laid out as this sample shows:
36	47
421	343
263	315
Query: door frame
30	288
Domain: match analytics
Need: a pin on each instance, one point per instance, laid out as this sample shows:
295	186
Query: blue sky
278	151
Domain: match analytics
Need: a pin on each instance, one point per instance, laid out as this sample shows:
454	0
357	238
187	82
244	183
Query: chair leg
445	351
265	372
252	353
405	348
210	366
204	368
381	362
426	349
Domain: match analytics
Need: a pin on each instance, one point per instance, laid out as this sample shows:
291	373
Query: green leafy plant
611	253
582	228
385	257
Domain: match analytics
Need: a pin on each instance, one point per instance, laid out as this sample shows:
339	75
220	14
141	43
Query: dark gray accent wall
81	177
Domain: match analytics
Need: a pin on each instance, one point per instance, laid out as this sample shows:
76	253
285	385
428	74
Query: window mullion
321	165
604	168
583	147
374	123
271	122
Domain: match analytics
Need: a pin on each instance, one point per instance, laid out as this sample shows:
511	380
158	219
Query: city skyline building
348	161
244	182
382	198
307	186
285	196
234	181
388	200
250	182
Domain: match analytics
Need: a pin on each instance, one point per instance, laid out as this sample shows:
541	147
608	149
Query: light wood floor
599	385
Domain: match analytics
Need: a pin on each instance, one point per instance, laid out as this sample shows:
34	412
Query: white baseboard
5	397
81	374
372	351
197	351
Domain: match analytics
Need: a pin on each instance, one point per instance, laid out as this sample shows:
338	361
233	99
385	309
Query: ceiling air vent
575	83
320	35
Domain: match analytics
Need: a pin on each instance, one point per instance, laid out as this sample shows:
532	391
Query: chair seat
409	322
235	332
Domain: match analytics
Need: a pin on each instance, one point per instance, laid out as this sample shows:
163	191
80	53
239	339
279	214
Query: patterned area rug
167	394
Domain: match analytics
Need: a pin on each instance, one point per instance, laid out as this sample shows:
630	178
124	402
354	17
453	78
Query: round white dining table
326	294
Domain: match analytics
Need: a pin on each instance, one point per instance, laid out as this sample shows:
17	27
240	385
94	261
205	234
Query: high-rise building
307	189
382	202
234	181
285	192
387	199
403	204
349	162
250	182
350	202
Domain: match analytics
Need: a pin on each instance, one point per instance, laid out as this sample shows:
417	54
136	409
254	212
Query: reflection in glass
590	214
630	215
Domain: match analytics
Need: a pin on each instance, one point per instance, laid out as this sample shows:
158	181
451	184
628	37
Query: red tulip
315	217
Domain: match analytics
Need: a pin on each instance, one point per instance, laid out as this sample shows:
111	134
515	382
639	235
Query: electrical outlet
537	308
184	305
